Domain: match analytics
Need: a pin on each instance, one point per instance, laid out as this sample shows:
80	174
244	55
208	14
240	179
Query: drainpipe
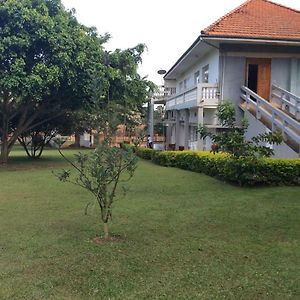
200	120
223	76
177	129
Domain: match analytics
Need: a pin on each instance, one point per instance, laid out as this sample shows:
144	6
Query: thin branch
73	165
86	208
26	107
45	120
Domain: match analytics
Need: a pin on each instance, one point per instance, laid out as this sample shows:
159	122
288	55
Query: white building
251	57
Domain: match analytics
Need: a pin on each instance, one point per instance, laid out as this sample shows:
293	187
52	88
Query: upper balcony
203	95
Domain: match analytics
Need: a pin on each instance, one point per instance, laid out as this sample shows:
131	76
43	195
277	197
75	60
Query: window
205	74
185	84
197	77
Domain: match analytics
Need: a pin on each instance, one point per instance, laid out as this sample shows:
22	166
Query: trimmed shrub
242	171
145	153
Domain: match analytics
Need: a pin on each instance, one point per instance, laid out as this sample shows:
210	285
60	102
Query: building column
168	129
177	129
186	129
150	119
168	135
200	121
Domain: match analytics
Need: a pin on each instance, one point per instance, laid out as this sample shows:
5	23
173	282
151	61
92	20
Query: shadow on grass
18	160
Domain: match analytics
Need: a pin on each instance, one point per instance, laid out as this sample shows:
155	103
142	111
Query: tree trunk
4	152
22	141
8	142
4	138
105	228
77	139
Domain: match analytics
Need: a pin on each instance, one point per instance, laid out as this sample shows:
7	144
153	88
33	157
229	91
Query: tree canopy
51	64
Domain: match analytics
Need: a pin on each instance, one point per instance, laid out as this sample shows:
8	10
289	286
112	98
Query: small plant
232	139
139	138
100	172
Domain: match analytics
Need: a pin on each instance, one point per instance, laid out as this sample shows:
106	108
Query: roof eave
250	39
222	38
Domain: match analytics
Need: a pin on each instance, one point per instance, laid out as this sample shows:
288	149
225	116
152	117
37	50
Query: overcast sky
167	27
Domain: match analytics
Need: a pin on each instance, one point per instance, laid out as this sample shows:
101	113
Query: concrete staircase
281	113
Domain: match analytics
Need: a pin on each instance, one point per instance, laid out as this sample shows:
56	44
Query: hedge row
243	171
145	153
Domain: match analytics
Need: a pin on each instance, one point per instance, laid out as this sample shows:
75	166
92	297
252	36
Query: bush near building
244	171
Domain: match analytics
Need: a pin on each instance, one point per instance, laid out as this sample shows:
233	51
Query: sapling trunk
105	228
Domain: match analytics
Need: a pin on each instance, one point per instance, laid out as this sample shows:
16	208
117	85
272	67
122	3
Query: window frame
205	74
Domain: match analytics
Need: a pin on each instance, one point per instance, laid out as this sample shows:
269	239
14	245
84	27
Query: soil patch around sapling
100	240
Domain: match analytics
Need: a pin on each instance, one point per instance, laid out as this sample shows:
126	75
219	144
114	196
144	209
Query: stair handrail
278	118
295	106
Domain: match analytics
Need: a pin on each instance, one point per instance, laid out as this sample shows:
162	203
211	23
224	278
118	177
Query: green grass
184	236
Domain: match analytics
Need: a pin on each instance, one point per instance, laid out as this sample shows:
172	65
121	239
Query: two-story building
250	56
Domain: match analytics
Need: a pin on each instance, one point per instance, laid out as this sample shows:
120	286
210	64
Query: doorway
258	76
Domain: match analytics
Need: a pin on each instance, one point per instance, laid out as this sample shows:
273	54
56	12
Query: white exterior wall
181	136
280	72
210	117
211	59
298	76
173	135
194	115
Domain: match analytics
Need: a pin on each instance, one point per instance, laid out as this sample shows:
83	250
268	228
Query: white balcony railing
169	91
201	95
162	93
181	98
209	94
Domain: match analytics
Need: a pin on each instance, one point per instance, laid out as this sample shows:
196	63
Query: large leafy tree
121	99
48	62
125	84
51	65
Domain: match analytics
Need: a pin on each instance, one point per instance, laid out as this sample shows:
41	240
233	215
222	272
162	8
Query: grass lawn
184	236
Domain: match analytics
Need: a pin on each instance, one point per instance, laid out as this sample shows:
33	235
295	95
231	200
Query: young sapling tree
100	172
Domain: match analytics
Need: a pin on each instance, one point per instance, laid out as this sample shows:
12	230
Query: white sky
167	27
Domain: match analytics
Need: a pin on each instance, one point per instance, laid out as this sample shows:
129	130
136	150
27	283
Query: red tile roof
258	19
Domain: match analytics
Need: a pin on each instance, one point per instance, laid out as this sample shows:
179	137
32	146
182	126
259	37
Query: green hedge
145	153
243	171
